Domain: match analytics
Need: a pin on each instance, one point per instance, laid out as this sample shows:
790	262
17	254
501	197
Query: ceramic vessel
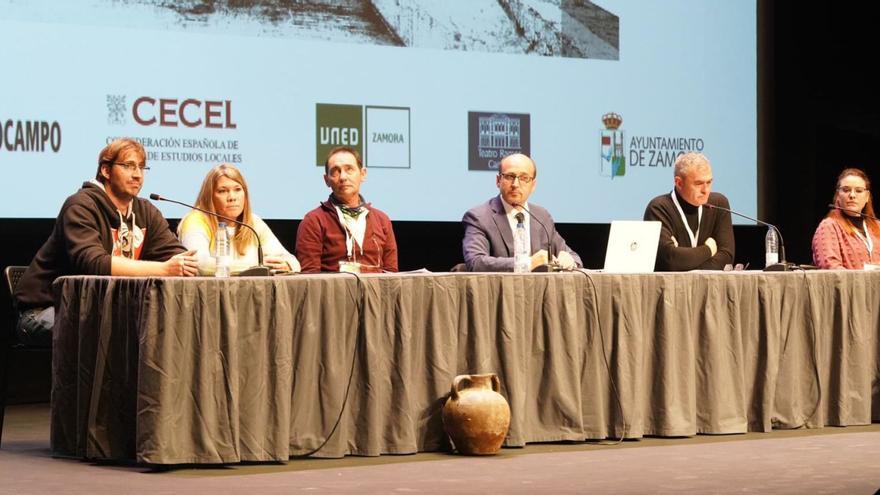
476	416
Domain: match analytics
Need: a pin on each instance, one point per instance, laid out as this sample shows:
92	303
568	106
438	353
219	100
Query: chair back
13	276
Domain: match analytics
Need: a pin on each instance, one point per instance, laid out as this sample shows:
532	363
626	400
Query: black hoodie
82	242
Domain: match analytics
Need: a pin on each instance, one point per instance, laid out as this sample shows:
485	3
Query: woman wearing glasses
225	192
849	236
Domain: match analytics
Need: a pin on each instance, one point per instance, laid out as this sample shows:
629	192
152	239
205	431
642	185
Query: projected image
432	93
553	28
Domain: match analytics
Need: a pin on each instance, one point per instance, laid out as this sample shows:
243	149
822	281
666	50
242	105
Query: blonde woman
225	192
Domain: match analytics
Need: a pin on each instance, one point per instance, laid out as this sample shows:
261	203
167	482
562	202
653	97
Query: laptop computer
632	246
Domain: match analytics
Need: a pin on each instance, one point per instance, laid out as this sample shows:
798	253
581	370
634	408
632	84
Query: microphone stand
782	266
859	213
550	266
254	271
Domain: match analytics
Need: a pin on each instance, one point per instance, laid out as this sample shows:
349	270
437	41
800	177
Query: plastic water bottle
521	259
222	251
771	247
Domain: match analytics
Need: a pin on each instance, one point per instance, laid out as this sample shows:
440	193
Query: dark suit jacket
715	224
488	238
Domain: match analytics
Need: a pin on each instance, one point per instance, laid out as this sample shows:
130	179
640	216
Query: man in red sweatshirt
345	227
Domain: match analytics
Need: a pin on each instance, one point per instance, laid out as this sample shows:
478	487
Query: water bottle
771	247
521	259
222	251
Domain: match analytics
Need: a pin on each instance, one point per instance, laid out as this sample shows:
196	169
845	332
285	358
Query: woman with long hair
225	192
849	236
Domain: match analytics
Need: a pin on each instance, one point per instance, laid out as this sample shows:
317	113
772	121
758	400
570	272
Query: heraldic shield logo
613	160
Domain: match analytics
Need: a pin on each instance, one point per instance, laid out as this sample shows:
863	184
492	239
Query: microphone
854	212
782	266
550	266
255	271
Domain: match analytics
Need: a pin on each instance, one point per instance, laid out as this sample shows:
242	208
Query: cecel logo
172	112
381	134
190	112
30	135
612	157
494	135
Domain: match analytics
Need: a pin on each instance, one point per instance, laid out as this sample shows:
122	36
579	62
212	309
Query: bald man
488	236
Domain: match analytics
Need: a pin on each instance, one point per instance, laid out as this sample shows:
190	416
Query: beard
124	191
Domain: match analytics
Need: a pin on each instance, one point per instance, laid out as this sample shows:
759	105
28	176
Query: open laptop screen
632	246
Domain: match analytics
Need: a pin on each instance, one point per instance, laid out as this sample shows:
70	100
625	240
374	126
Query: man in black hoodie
103	229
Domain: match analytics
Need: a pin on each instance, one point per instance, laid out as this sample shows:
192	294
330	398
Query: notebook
632	246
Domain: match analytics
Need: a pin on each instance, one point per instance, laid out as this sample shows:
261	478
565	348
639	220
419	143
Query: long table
204	370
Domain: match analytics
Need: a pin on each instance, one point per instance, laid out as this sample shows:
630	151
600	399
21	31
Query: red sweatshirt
320	242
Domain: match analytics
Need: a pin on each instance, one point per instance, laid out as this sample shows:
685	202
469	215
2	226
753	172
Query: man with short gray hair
692	237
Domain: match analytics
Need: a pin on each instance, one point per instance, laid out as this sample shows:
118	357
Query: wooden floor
828	460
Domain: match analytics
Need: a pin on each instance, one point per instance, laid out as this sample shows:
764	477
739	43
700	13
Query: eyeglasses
131	166
523	179
847	190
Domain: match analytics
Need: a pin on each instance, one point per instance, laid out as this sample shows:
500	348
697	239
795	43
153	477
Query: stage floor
825	460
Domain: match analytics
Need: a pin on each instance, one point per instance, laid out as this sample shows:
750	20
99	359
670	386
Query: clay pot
476	416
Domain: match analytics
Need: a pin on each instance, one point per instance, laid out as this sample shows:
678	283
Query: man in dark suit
692	237
488	234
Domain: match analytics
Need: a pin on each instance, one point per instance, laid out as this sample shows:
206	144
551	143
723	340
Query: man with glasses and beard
488	243
102	229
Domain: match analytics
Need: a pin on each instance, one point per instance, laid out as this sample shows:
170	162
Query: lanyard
693	236
869	243
354	231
